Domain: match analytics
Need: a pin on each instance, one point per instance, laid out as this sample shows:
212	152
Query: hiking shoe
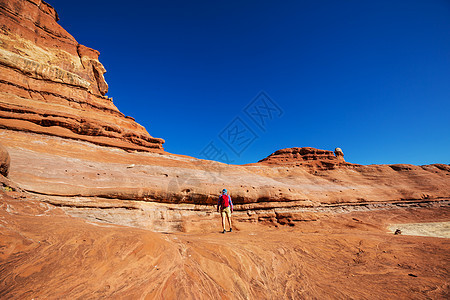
231	230
224	231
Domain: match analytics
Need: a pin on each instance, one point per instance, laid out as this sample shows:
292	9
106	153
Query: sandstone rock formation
4	161
62	134
308	157
52	166
290	155
47	254
339	154
307	223
50	84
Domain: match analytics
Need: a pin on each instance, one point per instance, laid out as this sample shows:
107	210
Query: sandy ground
437	229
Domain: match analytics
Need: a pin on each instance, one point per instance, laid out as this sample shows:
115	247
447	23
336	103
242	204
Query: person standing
225	206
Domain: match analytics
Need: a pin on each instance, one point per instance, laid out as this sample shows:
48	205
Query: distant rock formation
50	84
299	154
339	154
308	157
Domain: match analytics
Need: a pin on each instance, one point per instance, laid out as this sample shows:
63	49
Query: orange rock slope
46	254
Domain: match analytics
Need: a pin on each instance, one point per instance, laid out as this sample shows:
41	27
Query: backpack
224	201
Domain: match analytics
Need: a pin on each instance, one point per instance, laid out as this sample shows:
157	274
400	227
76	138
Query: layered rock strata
66	139
52	166
52	85
308	157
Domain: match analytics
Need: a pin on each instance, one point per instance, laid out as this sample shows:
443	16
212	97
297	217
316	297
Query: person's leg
229	217
223	220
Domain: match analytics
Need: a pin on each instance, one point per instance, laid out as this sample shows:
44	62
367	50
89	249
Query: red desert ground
93	207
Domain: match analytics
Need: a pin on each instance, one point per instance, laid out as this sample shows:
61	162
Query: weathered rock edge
52	85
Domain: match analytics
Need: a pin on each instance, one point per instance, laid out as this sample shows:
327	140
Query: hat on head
224	191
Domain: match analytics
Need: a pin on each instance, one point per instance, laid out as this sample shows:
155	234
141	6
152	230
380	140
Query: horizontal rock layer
54	166
52	85
307	157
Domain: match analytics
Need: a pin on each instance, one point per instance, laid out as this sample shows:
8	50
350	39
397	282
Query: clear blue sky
370	77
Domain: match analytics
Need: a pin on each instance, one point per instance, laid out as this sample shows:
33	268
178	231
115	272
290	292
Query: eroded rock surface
307	157
65	138
55	166
50	84
339	153
4	161
47	254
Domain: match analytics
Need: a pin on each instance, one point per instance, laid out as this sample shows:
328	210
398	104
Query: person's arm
218	204
231	203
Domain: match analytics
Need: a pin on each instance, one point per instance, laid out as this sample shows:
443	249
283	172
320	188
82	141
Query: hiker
226	208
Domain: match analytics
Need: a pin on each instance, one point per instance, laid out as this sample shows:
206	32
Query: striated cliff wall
307	157
52	85
52	102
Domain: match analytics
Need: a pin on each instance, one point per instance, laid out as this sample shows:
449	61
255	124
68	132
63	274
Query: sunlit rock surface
52	85
94	208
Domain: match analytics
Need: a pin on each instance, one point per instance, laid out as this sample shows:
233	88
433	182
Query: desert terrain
92	206
47	254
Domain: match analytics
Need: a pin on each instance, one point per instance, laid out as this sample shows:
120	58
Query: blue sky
370	77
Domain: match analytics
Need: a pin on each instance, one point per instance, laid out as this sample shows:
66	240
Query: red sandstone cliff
50	84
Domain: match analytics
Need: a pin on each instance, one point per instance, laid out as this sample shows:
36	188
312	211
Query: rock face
52	166
312	158
293	155
52	85
62	134
4	161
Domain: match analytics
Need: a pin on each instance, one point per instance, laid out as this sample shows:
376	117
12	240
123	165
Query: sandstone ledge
62	167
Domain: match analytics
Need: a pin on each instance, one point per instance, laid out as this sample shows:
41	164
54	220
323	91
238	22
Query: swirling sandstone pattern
46	254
